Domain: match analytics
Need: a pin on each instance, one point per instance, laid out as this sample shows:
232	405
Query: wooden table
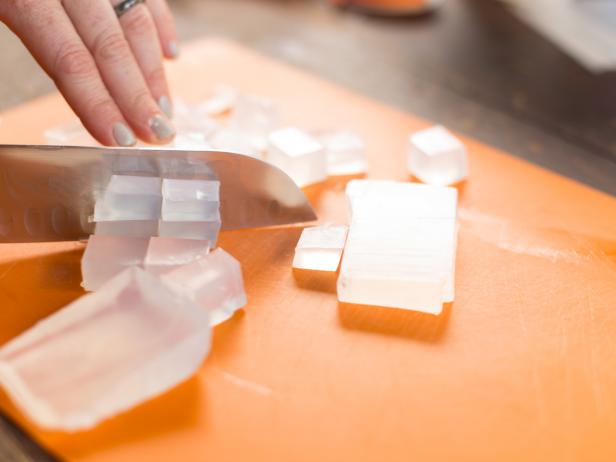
473	68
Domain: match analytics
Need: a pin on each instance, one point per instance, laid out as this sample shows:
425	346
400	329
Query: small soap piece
299	155
320	248
190	118
437	157
233	141
200	230
130	198
130	228
166	254
222	100
107	256
255	118
193	141
346	153
191	200
214	281
401	246
105	353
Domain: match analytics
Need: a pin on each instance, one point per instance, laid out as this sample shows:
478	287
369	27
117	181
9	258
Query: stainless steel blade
47	193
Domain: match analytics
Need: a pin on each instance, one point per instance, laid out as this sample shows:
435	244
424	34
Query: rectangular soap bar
320	248
401	246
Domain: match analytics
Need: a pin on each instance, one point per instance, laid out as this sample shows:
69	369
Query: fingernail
123	135
174	49
161	128
165	104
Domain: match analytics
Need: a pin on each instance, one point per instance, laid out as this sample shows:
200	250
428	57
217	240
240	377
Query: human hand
108	68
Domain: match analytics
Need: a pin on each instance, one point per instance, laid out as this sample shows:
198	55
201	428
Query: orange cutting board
522	367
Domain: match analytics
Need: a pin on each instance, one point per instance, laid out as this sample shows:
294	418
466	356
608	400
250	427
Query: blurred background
535	78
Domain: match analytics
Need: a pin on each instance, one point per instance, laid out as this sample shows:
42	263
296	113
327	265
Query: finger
166	27
100	30
51	38
142	37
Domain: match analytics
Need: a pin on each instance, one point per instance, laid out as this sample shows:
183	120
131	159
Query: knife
47	193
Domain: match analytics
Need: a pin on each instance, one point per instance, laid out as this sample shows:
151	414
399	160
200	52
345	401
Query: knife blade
47	193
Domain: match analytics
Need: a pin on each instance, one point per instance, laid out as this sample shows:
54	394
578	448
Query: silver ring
125	5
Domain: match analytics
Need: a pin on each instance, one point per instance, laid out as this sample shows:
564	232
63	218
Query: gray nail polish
161	128
174	49
123	135
165	104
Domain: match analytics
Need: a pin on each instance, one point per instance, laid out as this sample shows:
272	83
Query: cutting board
522	366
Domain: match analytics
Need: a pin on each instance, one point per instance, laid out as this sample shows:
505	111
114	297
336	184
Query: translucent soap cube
229	140
299	155
200	230
166	254
346	153
401	246
130	198
437	157
105	353
255	117
191	200
214	281
189	118
131	228
107	256
222	100
193	141
320	248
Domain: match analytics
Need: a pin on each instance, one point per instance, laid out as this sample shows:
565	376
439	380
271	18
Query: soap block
299	155
105	353
346	153
214	281
193	141
401	246
229	140
191	200
320	248
107	256
130	198
166	254
130	228
222	100
437	157
255	118
200	230
188	118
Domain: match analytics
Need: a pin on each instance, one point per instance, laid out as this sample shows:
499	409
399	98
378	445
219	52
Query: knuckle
111	46
73	59
138	23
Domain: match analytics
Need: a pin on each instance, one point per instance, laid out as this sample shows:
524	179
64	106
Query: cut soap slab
401	246
106	352
320	248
